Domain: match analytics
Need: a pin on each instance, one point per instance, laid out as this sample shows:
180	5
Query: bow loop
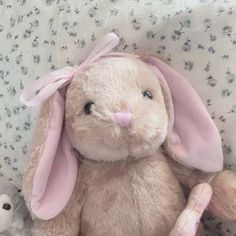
39	90
108	42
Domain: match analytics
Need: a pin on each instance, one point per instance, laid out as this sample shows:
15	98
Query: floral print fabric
196	37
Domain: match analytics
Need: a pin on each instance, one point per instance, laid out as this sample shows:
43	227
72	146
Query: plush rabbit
117	140
15	219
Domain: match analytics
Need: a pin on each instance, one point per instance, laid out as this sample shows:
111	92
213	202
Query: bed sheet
196	37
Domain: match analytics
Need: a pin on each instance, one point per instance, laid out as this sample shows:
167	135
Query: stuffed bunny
15	219
118	138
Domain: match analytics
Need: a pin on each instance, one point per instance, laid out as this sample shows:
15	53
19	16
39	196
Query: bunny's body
116	118
129	197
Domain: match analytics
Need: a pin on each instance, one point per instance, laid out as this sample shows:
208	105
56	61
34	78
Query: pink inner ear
193	137
56	174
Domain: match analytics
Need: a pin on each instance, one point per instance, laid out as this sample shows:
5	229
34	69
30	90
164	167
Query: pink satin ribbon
39	90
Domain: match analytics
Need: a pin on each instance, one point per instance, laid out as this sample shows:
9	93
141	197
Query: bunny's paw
223	202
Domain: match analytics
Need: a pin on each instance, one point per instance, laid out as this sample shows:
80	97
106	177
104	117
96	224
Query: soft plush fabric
15	219
98	139
192	137
195	37
198	200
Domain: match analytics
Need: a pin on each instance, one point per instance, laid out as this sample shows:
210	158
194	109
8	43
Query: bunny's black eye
88	108
6	206
147	94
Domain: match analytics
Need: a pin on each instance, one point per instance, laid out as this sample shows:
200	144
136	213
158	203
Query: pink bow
39	90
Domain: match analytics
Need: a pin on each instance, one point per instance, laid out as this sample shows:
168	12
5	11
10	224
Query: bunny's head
115	106
116	110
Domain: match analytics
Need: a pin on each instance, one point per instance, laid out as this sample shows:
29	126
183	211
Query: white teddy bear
15	219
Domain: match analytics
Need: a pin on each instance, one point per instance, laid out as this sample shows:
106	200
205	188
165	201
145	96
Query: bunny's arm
188	221
223	183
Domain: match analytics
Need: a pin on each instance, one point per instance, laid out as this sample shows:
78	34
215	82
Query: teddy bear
117	140
15	219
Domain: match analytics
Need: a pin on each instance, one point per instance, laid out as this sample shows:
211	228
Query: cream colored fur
126	185
114	85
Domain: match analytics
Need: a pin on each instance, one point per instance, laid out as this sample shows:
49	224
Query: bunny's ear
193	138
56	171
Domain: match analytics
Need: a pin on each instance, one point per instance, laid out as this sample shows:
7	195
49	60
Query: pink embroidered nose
123	118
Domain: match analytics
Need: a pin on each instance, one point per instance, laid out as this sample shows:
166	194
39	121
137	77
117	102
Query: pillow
196	37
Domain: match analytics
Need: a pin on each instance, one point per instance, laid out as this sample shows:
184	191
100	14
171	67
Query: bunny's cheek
102	140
